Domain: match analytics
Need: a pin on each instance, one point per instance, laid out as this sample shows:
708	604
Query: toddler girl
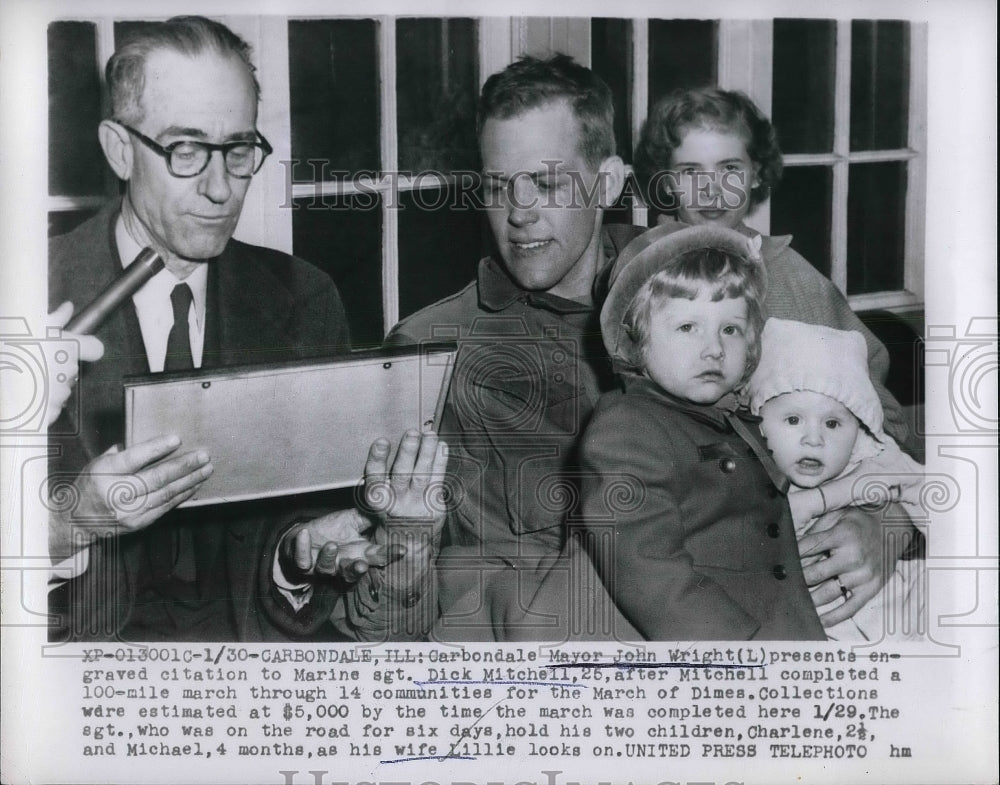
685	522
823	424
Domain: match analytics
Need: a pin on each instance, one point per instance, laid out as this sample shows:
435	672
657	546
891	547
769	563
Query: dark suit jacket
262	306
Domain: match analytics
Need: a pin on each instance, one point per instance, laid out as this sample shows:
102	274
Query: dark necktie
179	341
168	541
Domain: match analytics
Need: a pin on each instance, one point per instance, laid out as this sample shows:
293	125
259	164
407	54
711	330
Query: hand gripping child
822	421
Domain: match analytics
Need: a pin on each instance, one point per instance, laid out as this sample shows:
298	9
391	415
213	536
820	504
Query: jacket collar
716	415
498	291
724	416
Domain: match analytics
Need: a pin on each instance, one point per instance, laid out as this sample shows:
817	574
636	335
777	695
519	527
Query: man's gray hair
188	35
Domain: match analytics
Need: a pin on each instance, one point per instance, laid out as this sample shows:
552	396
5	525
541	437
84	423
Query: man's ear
117	147
612	180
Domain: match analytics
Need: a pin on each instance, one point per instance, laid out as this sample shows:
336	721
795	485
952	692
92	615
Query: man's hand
61	377
412	497
854	566
333	546
125	490
412	505
895	474
400	504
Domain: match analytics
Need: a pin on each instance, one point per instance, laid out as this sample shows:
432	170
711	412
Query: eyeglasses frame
167	151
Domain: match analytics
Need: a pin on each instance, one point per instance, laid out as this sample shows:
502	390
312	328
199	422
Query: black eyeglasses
189	158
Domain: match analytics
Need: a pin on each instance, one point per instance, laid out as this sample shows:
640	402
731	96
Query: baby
822	421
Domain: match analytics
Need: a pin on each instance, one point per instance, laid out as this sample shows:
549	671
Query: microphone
146	265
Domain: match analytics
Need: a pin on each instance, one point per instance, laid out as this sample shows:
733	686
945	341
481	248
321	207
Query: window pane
63	221
436	91
343	238
76	166
333	81
621	213
804	65
611	59
682	53
442	237
876	200
125	29
880	82
801	207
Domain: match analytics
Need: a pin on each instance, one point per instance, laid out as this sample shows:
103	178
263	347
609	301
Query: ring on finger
845	592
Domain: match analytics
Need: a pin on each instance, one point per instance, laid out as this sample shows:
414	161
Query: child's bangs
705	270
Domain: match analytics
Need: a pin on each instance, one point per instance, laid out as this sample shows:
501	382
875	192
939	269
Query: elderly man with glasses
182	91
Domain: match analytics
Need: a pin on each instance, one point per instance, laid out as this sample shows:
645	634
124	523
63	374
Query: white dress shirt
153	307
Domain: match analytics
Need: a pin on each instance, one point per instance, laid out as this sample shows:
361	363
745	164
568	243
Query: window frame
389	189
747	65
745	52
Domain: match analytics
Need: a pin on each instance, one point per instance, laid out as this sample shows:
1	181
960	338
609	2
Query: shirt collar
161	284
498	291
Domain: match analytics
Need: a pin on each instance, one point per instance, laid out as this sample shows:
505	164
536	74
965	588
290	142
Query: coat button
779	572
728	465
773	530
